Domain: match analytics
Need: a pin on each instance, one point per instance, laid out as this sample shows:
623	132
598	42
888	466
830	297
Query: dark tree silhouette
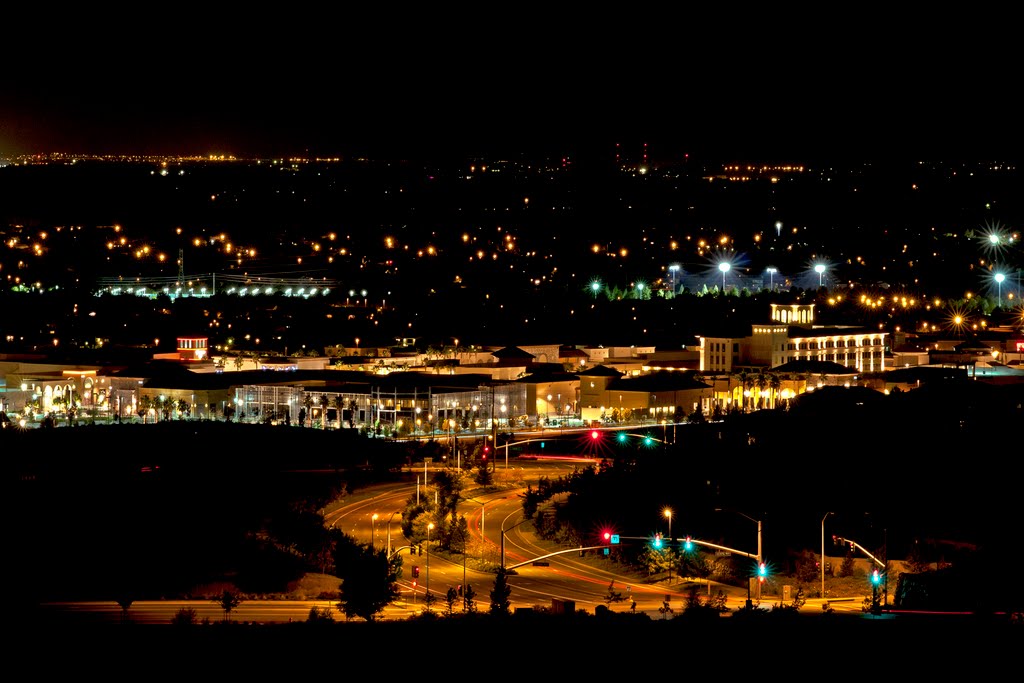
500	592
228	601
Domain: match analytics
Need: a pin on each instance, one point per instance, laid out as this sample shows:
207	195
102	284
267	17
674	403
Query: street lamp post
427	597
724	266
999	282
373	531
389	531
503	530
820	270
668	515
823	554
759	546
771	278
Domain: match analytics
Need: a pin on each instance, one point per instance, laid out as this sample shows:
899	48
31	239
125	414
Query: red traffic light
595	435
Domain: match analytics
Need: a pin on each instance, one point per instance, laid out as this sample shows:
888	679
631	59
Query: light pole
427	597
999	282
503	530
771	278
673	269
759	556
668	515
820	270
823	554
724	266
373	531
389	531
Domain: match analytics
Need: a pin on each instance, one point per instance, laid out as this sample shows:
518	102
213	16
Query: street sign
615	538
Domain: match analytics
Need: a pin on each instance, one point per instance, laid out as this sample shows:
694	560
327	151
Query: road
590	582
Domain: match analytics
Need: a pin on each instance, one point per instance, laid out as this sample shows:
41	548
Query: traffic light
648	440
595	435
762	572
876	578
607	536
657	541
414	584
622	437
487	450
687	544
416	571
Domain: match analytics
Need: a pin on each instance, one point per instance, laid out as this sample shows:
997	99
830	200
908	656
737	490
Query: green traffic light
622	437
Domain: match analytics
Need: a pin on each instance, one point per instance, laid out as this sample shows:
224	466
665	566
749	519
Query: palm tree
762	383
775	383
307	403
745	382
339	406
324	402
144	404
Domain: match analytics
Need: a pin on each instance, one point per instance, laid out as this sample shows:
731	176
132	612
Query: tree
142	407
761	381
469	599
324	402
339	407
186	616
774	383
320	615
228	601
307	407
369	582
125	603
846	568
500	604
450	597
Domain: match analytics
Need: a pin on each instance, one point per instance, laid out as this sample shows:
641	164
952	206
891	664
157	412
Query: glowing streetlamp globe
999	282
724	266
820	270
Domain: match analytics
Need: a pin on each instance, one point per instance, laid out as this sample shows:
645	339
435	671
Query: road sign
615	538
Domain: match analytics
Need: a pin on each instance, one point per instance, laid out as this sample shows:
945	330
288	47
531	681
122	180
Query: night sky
359	85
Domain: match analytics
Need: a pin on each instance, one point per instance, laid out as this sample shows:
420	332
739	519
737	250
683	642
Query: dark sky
498	84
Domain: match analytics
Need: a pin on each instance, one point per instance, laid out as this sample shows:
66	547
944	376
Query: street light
771	278
820	270
823	554
759	555
668	514
724	266
373	531
427	598
389	531
999	282
503	530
